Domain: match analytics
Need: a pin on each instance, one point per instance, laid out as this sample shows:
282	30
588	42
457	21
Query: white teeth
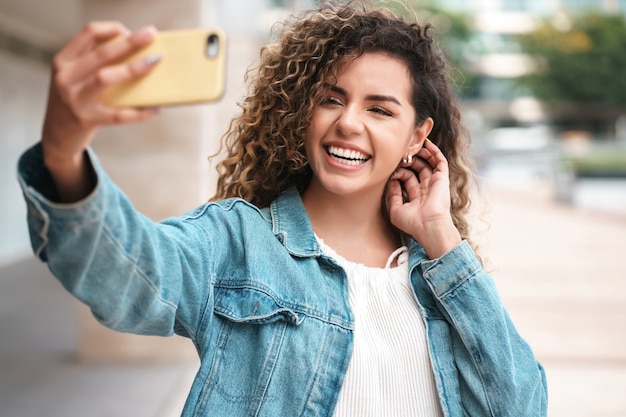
347	156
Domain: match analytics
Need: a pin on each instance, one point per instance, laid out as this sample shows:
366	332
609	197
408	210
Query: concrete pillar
162	164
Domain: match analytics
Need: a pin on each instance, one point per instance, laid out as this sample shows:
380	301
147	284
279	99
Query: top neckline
401	254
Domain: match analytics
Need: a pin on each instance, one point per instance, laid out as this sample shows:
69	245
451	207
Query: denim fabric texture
267	312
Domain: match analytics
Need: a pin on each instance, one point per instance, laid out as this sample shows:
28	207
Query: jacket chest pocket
252	330
252	306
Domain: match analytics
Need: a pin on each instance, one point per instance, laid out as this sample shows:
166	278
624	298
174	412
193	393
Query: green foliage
583	64
599	164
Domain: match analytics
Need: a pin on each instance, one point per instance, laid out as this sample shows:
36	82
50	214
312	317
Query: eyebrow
371	97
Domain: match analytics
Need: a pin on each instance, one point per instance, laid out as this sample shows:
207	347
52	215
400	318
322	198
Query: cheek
397	142
314	132
410	137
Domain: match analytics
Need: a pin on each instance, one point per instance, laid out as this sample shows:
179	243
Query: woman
333	274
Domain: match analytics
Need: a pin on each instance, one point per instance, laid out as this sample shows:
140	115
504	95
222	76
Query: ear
420	134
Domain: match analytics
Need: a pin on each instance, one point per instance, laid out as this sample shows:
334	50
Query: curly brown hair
265	143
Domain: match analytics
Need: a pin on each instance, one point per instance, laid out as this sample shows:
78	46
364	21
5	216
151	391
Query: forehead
375	70
374	59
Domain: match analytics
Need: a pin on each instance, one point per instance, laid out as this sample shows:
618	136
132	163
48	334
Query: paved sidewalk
39	373
561	273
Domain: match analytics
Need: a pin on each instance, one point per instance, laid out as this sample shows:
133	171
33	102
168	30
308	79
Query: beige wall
23	85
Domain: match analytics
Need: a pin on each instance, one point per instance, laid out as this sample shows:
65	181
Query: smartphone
191	70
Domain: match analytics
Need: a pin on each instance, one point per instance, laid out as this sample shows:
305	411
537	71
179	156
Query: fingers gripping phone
191	70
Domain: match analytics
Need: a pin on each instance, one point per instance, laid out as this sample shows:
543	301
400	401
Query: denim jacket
266	310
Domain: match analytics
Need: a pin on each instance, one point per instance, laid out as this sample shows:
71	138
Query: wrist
58	163
438	237
72	173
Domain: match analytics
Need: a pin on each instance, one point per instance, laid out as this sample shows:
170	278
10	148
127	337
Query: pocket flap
251	305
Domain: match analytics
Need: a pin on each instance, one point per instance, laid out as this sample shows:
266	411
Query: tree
584	64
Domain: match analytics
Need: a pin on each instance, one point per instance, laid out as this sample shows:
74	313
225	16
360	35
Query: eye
330	101
381	111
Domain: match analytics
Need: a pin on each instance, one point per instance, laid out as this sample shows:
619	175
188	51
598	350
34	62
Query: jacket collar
292	226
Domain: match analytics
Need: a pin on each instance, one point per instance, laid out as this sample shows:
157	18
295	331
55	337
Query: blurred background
543	90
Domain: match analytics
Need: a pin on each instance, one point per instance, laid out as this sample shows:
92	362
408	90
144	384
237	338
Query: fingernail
150	60
147	31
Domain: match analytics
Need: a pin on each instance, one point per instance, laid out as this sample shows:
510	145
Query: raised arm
81	71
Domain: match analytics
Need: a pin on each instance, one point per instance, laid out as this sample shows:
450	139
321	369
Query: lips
347	156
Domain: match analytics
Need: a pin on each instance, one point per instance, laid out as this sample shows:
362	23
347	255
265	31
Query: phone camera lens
213	46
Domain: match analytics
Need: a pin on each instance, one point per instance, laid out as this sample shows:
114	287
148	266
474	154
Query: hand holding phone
191	69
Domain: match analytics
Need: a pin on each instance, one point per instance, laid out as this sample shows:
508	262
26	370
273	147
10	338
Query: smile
347	156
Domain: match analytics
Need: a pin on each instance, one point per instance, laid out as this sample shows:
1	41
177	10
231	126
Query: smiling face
363	126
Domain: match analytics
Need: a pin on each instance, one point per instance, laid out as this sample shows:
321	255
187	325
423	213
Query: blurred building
496	57
535	7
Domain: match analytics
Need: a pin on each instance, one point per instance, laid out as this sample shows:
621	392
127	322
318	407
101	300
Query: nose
349	121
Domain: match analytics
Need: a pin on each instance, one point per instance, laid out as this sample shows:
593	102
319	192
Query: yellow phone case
191	70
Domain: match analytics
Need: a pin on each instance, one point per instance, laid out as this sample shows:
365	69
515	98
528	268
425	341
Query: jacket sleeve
499	374
136	275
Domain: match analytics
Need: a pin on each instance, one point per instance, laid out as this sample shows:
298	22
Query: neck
353	225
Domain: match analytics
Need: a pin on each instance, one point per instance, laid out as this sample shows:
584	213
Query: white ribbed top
389	373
